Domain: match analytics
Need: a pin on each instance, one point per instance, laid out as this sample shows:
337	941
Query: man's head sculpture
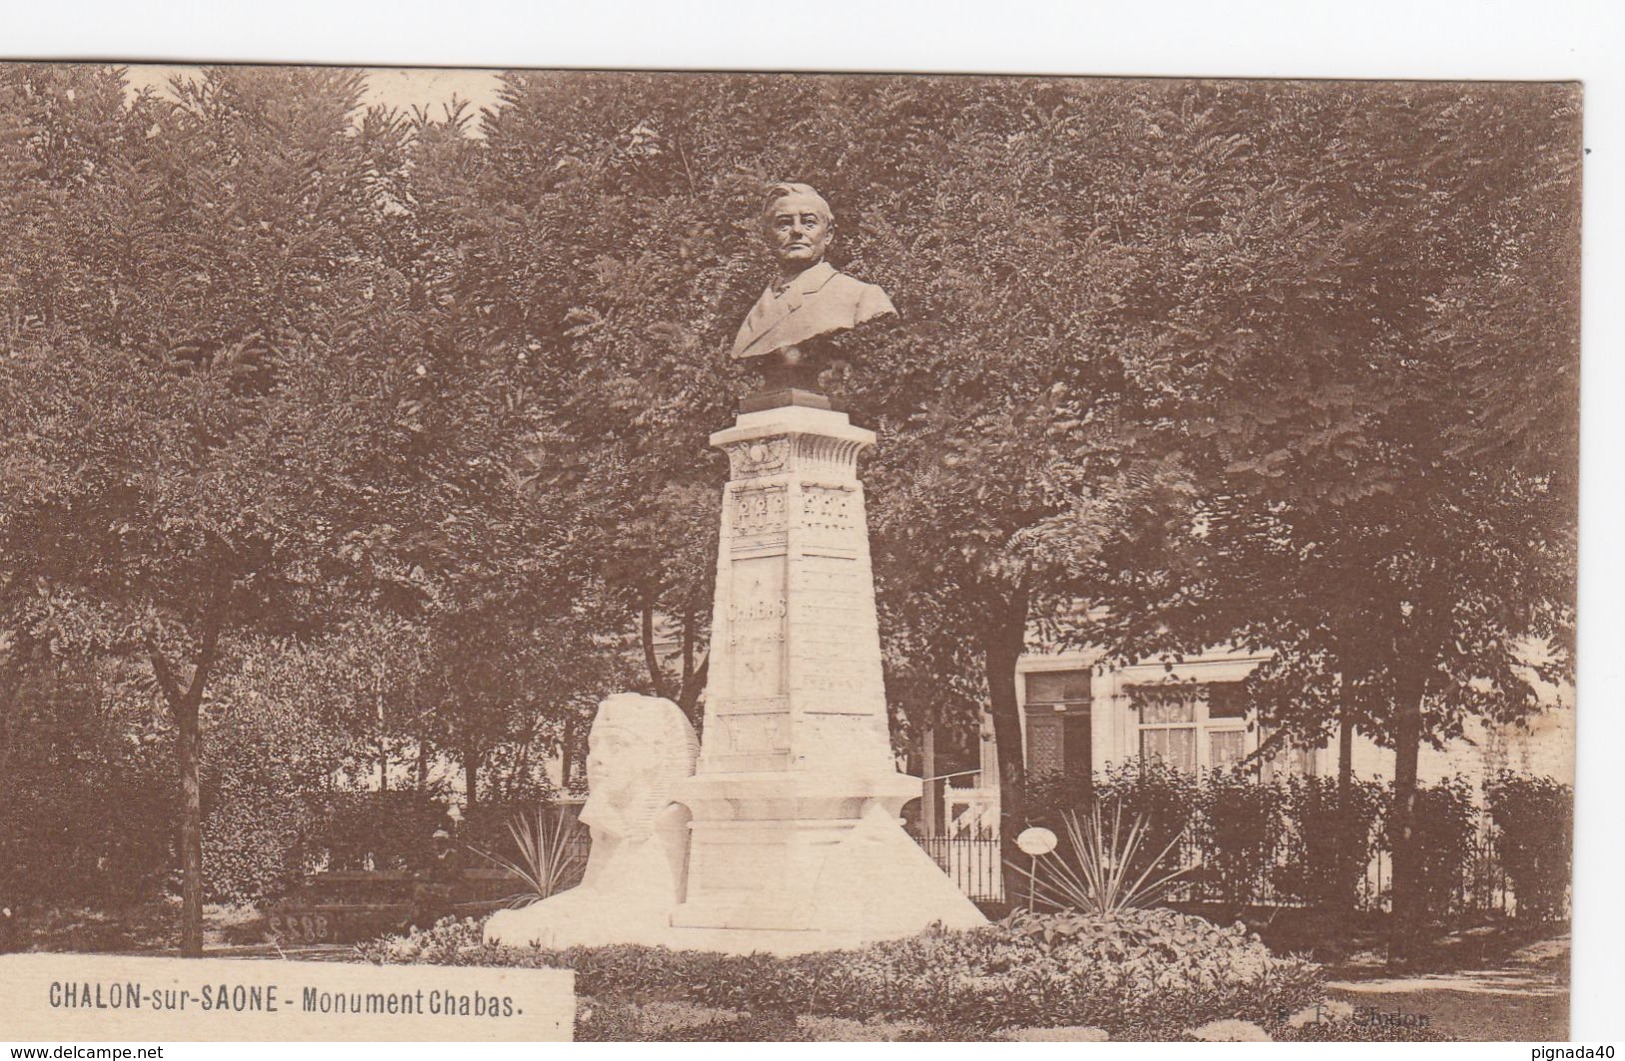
638	748
797	224
795	189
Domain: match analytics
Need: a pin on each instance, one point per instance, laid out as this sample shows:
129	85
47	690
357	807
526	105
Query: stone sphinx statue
639	747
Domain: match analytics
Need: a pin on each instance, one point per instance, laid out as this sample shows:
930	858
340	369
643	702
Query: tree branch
693	686
166	678
657	677
688	646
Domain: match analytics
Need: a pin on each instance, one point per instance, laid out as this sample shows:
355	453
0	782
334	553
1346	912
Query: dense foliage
1243	821
1335	826
1447	825
85	799
1292	839
1534	820
1138	974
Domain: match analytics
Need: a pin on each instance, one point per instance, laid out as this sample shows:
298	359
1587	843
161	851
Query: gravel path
1525	1000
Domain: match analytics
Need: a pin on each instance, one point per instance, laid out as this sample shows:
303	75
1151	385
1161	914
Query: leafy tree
220	415
1017	474
1381	509
518	646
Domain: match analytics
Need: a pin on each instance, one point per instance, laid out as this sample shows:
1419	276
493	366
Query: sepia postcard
500	555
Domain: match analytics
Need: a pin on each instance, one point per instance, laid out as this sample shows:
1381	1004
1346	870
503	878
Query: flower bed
1137	974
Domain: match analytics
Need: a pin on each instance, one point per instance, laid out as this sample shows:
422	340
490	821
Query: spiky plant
547	857
1098	874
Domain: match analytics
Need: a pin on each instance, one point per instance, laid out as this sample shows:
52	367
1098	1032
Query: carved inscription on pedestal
743	743
836	646
753	735
756	616
759	705
826	507
834	684
830	576
843	739
759	516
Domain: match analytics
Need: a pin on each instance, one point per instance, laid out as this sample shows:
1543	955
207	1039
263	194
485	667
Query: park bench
349	906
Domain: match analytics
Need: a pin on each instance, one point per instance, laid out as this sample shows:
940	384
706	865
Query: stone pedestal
795	840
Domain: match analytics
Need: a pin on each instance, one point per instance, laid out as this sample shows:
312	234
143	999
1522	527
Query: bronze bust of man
810	298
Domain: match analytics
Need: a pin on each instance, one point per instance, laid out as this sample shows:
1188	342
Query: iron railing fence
1273	876
1279	870
971	861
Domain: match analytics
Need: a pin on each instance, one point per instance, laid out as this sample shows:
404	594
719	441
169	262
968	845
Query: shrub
273	740
1164	798
251	832
548	858
485	824
1095	872
371	830
1289	834
745	1029
1052	795
1241	819
1146	973
1446	824
1329	849
87	795
1534	819
76	830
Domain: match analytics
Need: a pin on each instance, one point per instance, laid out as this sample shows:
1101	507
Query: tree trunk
1349	843
567	752
188	752
1408	914
693	689
657	677
383	765
185	706
694	668
1002	645
423	765
689	619
521	766
471	776
931	803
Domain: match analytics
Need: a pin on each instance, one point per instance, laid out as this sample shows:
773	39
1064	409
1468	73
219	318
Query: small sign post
1035	840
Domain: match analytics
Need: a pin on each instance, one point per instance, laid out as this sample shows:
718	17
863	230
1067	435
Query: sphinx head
638	748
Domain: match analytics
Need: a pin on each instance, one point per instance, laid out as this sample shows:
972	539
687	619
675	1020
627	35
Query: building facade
1080	715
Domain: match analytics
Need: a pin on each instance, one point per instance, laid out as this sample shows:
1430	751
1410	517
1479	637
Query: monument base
782	398
789	863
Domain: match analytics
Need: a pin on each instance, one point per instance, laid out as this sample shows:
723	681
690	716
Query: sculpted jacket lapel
770	313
